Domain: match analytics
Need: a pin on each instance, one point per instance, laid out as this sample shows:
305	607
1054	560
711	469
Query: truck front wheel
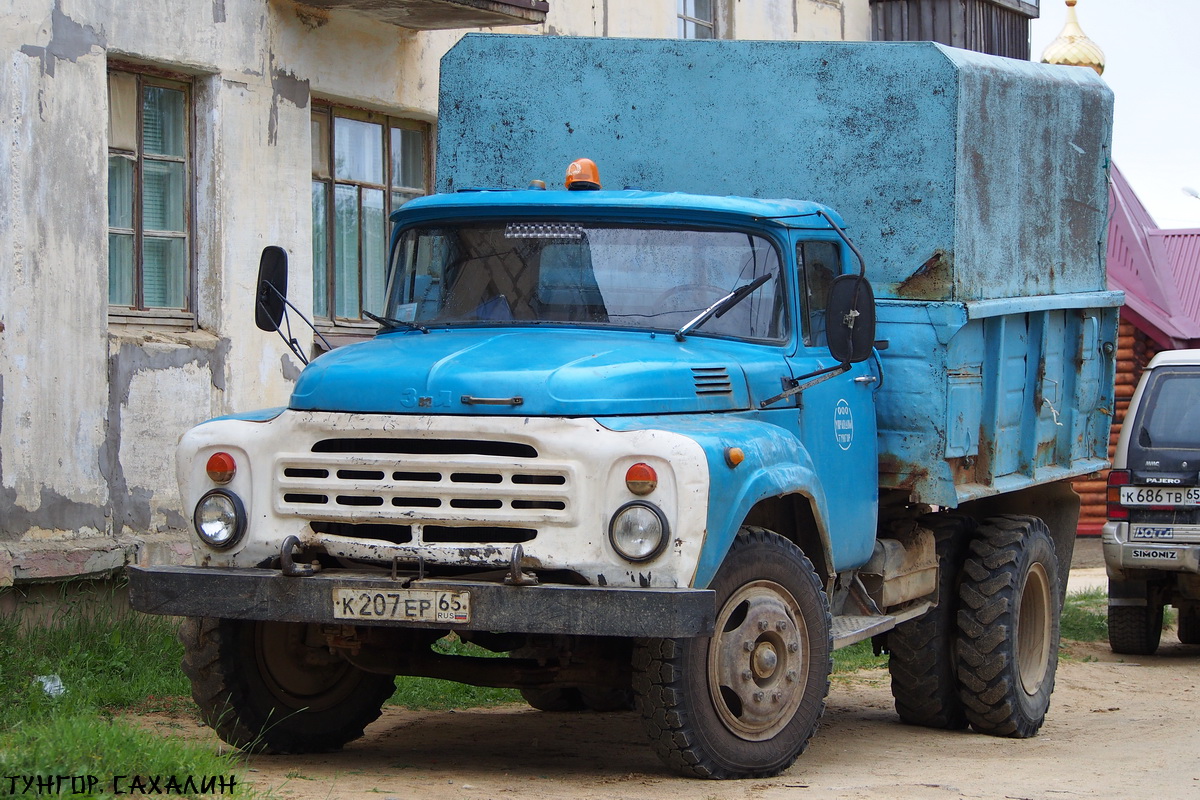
274	687
745	702
1008	626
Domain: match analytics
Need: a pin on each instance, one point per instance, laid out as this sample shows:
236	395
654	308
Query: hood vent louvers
711	380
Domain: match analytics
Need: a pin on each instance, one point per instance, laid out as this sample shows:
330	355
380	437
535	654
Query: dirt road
1119	727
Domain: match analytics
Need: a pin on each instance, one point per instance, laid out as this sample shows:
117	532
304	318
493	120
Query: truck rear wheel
1008	626
1136	630
921	656
271	687
745	702
1189	624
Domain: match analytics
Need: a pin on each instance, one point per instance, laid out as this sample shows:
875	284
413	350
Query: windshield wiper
721	306
395	324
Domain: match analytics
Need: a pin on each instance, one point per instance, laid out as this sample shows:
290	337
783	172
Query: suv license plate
1160	496
402	605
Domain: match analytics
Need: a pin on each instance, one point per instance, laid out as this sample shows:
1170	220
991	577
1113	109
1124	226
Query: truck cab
1152	537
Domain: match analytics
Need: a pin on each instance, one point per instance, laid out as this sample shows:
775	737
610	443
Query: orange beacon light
583	174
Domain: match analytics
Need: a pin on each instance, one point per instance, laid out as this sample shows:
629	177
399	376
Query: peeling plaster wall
53	327
90	413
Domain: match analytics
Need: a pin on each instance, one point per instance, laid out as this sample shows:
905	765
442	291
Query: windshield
531	272
1170	415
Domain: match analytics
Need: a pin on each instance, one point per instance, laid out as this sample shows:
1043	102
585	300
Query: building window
149	192
696	19
364	166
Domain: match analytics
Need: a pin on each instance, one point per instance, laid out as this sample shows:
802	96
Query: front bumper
266	594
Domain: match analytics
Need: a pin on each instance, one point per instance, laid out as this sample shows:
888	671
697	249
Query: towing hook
515	576
289	567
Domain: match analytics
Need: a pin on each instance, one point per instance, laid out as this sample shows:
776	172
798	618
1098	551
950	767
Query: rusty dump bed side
994	396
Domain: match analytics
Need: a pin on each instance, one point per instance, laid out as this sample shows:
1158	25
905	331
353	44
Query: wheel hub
1034	623
756	659
764	660
296	670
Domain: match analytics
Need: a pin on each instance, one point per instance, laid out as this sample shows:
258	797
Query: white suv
1152	537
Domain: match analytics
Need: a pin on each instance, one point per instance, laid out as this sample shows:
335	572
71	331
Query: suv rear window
1169	414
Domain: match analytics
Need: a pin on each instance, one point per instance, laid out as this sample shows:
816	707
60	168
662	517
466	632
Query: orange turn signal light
641	479
221	467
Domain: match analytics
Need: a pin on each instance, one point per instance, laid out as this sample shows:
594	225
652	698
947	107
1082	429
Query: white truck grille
418	481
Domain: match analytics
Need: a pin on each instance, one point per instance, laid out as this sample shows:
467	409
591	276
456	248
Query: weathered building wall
91	406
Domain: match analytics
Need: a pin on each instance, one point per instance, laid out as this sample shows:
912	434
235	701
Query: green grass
431	693
1085	616
857	656
109	663
81	744
106	660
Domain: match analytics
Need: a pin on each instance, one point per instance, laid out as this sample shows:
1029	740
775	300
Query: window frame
139	313
812	334
328	112
683	19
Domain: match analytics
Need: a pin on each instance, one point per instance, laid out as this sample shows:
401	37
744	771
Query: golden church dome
1072	47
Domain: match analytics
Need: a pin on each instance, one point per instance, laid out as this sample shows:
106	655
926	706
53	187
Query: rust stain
930	281
907	474
312	17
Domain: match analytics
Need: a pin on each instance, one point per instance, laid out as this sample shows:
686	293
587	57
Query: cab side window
820	263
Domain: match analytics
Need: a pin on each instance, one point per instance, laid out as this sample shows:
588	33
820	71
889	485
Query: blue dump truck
667	438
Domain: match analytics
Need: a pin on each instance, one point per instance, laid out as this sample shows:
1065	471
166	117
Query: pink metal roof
1159	270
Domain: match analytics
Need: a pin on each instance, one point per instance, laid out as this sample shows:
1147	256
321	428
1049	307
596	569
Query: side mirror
850	319
271	288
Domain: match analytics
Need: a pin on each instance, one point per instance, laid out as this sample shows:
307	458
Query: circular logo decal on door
843	425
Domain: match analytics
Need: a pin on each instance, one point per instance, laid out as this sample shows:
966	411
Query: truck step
847	630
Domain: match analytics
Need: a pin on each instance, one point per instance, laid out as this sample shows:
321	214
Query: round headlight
638	531
220	518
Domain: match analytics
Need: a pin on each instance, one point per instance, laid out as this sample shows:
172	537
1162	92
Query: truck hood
552	371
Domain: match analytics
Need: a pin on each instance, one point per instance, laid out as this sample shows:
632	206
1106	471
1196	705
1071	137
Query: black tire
1135	630
745	702
264	688
921	657
1008	621
1189	624
554	700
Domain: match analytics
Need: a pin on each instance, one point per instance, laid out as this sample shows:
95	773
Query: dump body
975	186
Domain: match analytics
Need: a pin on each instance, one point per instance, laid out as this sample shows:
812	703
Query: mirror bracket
271	303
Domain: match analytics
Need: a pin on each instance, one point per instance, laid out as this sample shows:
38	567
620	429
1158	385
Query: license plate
402	605
1160	496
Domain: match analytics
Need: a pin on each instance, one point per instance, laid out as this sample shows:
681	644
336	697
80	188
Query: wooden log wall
1134	351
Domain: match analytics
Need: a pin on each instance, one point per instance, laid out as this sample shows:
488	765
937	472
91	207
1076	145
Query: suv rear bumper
1121	555
267	594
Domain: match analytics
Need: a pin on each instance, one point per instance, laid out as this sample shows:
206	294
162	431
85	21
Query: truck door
835	419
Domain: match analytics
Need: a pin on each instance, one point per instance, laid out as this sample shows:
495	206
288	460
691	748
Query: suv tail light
1116	479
